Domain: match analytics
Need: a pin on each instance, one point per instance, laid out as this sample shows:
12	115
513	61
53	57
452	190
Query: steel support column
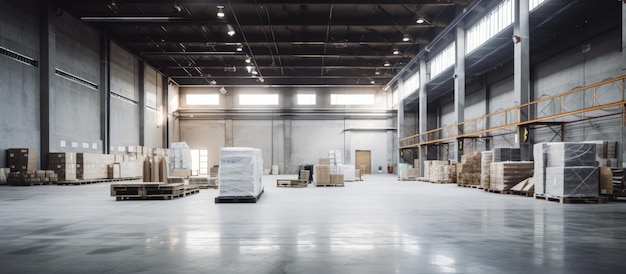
47	49
521	82
459	88
423	116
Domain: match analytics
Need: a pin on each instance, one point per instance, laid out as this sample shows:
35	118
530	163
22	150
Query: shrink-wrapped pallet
541	162
179	156
348	172
503	154
485	167
571	154
240	172
572	182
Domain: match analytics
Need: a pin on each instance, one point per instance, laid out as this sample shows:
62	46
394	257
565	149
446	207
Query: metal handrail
513	114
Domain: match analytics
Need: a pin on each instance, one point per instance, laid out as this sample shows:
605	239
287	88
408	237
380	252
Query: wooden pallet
330	185
94	181
498	191
470	186
291	183
407	179
522	193
205	186
30	183
238	199
573	200
188	190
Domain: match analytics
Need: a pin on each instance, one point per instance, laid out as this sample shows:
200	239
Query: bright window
352	99
534	3
442	61
412	84
202	99
258	99
306	99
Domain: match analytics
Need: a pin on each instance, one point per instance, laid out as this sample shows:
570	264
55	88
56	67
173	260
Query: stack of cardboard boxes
469	170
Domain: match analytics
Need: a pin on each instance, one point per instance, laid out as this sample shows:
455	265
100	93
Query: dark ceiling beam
296	55
292	77
271	2
169	20
263	43
289	67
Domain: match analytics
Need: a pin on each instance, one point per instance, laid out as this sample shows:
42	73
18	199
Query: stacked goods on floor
505	175
303	180
155	169
485	165
151	190
213	171
202	182
179	156
336	179
240	175
503	154
525	187
570	170
606	153
91	166
63	164
357	175
408	174
22	159
469	169
4	173
347	171
321	173
617	176
32	177
334	160
439	171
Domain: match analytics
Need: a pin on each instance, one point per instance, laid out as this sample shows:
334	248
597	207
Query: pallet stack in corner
570	170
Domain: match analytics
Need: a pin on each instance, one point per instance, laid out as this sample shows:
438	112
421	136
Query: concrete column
290	167
228	133
400	118
105	93
165	110
47	49
422	113
623	37
459	88
488	119
141	71
521	65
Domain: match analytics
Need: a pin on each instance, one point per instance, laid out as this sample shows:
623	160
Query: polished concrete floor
376	226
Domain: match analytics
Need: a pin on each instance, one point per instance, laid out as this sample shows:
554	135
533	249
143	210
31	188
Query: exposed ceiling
327	43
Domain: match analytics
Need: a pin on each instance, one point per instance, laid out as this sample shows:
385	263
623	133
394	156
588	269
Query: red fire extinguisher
389	169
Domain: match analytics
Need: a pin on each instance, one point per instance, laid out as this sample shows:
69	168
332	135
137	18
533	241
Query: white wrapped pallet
348	172
485	169
240	172
180	156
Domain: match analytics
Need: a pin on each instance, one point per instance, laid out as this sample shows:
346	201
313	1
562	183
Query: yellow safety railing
576	101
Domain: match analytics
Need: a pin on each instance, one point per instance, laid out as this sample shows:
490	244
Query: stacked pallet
32	177
155	169
151	190
469	169
348	172
606	153
570	170
179	156
4	173
503	154
409	174
240	174
22	159
63	164
201	182
91	166
214	171
302	181
336	179
505	175
439	171
321	174
485	169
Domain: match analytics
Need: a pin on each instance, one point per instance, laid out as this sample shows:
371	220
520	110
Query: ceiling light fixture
254	72
396	51
372	82
406	38
113	5
231	30
239	47
249	69
223	90
261	79
377	72
387	64
177	8
422	20
248	59
220	12
213	82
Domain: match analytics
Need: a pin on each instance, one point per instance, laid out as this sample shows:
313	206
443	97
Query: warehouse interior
416	104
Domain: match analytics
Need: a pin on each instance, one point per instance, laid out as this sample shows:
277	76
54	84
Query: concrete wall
289	135
74	105
19	88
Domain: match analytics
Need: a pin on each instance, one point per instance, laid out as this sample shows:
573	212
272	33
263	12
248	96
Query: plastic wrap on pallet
572	182
179	156
541	161
347	171
503	154
240	171
505	175
409	173
606	153
471	164
571	154
485	164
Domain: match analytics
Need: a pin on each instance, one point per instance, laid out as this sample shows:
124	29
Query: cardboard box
321	174
336	179
22	159
606	180
113	171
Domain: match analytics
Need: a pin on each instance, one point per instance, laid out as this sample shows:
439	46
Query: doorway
364	158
